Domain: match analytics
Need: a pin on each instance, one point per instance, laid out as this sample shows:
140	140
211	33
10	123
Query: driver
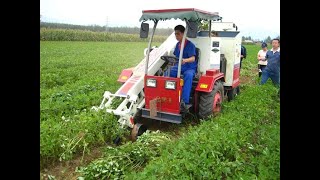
188	67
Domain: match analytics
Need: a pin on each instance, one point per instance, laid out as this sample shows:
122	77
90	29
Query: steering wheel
170	59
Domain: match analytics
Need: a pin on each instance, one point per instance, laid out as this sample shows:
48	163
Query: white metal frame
125	113
135	96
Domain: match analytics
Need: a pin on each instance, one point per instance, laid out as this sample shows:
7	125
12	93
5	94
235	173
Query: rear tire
238	90
210	103
233	93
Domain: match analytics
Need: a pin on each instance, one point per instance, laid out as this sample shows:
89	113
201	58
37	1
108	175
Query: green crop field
73	78
243	142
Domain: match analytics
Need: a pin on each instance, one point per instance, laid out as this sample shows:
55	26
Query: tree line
266	40
98	28
126	30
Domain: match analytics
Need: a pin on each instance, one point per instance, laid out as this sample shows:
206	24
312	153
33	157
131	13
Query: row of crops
243	142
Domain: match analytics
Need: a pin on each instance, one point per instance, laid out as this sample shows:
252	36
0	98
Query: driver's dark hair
276	39
179	28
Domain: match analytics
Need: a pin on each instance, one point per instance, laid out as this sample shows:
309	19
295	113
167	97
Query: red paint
179	10
236	75
126	88
209	78
131	120
212	72
217	102
125	75
169	97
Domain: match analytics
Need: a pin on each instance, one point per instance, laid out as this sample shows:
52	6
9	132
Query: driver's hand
183	62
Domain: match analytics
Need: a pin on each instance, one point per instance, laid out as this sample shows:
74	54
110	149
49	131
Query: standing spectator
272	69
243	54
262	62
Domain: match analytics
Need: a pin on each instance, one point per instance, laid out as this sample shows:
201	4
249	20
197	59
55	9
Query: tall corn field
47	34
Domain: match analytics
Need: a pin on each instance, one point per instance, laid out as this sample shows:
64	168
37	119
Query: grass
243	142
73	78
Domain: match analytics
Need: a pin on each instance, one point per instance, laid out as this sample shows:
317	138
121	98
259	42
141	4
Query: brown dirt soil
248	79
66	170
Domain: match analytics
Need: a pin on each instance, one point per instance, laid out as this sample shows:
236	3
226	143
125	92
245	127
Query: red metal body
125	75
169	99
236	75
217	102
206	82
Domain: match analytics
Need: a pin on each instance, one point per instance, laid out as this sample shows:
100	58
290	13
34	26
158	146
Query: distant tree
268	39
247	38
243	38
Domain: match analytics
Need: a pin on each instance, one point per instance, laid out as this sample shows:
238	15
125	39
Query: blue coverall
188	69
272	69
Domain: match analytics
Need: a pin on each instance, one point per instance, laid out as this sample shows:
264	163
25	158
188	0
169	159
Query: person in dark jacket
243	54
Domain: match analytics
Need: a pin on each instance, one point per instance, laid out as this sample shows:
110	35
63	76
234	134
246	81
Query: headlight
151	82
170	85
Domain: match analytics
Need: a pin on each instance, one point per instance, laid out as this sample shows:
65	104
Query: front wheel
210	103
137	130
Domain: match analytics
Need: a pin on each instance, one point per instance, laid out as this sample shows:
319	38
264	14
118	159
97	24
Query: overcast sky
256	18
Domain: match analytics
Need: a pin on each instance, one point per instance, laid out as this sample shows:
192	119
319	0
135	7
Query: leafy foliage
241	143
128	157
72	134
73	78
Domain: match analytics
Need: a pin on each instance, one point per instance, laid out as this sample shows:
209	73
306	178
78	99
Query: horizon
252	38
247	15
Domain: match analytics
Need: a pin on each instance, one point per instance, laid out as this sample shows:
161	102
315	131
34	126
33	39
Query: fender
206	82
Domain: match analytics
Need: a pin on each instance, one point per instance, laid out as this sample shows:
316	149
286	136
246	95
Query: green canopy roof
190	14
